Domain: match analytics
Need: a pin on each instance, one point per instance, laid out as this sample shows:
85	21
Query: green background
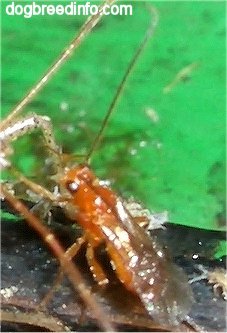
174	161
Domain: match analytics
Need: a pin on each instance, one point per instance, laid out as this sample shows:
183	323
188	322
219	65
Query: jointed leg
25	126
67	266
96	269
50	294
36	188
71	252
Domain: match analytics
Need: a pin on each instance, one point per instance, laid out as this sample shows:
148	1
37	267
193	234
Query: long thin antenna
121	87
90	23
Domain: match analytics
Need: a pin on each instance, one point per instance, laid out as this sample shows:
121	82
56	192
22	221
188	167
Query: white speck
133	151
150	296
98	201
73	186
56	190
151	281
133	261
160	254
109	233
121	211
122	235
152	114
64	106
159	145
113	265
104	183
8	292
63	306
141	274
70	128
195	256
143	144
112	237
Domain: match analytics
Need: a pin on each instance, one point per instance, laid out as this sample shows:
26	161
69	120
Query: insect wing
161	285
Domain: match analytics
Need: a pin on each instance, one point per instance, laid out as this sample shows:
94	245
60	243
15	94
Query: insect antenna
90	23
121	86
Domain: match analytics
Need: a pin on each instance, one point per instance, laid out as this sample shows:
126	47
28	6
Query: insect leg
68	267
26	126
38	189
71	252
96	269
75	247
119	266
50	294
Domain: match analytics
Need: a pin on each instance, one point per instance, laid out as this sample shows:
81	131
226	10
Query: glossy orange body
140	263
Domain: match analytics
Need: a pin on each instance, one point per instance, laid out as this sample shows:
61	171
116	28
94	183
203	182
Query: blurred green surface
165	149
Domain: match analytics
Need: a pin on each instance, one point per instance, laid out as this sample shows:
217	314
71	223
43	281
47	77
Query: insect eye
72	186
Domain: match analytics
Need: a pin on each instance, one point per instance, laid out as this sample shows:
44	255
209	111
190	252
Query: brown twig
38	319
67	265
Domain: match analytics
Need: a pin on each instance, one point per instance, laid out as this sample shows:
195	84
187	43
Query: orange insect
140	263
138	260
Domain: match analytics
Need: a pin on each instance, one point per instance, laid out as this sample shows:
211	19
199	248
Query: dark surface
29	267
